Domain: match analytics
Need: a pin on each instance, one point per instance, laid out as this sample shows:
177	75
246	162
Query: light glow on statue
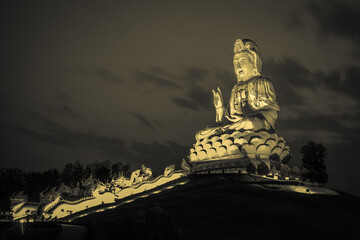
247	125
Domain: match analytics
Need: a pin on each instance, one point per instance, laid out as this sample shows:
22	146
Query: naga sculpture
246	127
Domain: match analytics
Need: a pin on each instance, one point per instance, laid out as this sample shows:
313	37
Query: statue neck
249	79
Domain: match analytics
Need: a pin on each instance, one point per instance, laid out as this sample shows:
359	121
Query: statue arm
230	113
221	111
263	100
263	96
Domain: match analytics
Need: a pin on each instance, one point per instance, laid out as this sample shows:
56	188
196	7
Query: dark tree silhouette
68	175
52	177
263	169
102	173
78	173
285	170
295	172
250	168
116	168
313	162
12	180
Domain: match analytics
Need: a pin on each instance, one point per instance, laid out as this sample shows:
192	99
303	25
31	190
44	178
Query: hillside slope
213	207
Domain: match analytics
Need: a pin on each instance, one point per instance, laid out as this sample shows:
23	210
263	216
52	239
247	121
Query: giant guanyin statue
246	126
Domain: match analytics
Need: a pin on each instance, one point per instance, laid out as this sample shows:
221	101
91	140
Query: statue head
247	59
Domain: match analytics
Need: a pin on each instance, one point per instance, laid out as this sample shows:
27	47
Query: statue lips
240	72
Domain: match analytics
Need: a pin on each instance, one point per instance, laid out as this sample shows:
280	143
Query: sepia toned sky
132	80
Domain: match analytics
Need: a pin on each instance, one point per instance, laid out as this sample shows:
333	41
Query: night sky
131	80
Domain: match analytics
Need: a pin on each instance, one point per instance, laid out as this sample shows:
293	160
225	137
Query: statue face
243	67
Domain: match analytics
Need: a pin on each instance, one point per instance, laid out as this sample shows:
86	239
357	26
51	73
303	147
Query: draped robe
252	106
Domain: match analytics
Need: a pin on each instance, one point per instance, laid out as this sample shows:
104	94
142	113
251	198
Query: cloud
318	104
201	97
197	83
143	78
143	120
155	154
62	97
52	132
103	74
194	74
190	82
287	75
185	103
334	126
61	109
108	76
295	85
346	81
62	106
337	18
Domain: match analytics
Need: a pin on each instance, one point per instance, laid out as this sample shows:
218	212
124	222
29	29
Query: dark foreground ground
219	208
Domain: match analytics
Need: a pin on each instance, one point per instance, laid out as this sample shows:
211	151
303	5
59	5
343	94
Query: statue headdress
251	47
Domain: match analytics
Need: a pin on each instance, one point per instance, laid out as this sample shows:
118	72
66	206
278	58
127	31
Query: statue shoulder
263	84
260	80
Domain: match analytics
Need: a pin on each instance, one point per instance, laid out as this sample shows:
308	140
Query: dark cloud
345	81
195	97
61	110
143	120
102	74
293	21
301	91
155	155
194	79
185	103
108	76
62	106
332	124
286	75
193	74
337	18
143	78
52	132
201	97
159	124
225	76
62	97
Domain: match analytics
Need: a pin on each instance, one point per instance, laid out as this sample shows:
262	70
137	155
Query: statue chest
241	96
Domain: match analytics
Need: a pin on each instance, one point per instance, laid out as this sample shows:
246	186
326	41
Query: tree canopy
313	162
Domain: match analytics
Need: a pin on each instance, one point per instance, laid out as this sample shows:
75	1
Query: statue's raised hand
218	99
